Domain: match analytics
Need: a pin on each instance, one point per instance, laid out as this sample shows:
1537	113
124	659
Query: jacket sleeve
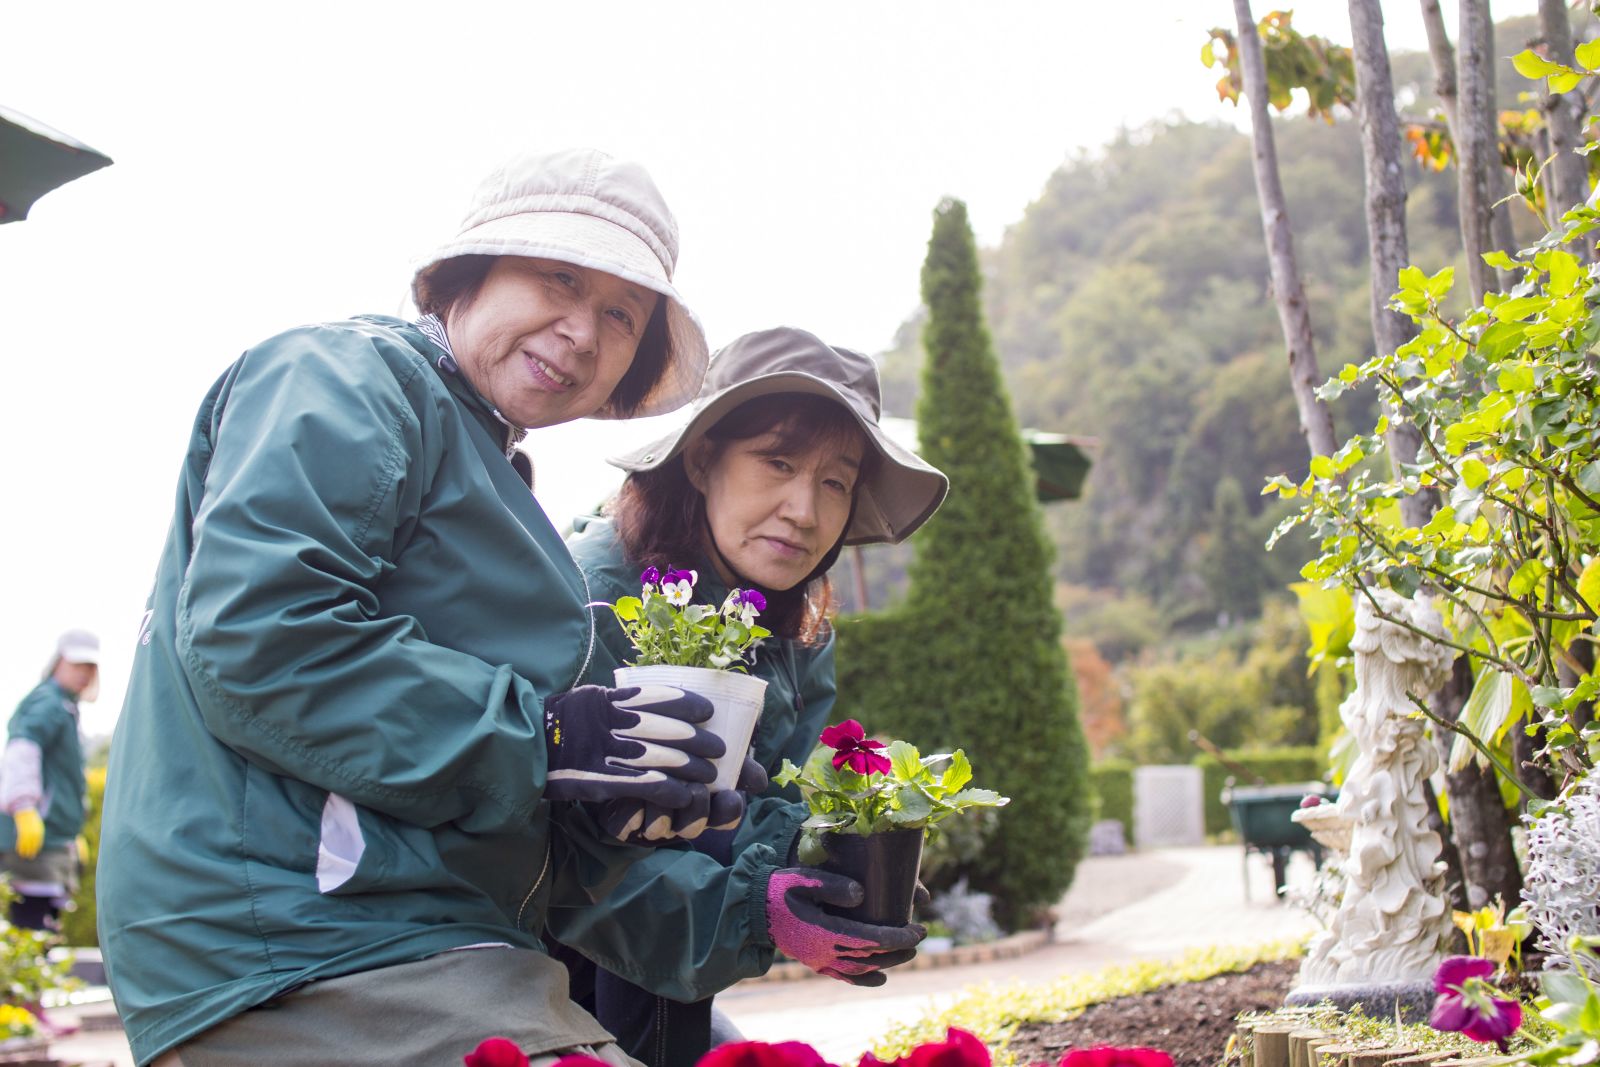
707	925
320	463
775	816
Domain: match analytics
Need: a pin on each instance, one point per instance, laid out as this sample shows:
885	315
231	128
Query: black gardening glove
640	822
635	742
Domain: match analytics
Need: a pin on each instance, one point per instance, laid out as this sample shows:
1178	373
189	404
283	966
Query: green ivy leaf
1565	82
1530	64
1526	577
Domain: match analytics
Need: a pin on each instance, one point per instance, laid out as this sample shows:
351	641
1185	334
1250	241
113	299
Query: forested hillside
1130	304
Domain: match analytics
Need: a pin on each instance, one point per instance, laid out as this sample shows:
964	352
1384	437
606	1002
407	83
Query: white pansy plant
668	629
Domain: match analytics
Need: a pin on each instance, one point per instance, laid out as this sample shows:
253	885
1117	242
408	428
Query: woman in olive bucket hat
782	464
329	833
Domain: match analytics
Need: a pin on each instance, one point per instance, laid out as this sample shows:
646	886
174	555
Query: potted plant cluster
871	806
700	649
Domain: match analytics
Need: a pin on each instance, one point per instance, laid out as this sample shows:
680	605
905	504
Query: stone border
1004	948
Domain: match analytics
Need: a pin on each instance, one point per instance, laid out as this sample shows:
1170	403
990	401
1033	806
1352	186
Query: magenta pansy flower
1468	1004
1107	1056
762	1054
495	1052
852	747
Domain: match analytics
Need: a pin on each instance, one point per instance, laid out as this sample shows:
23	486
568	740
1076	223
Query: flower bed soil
1192	1021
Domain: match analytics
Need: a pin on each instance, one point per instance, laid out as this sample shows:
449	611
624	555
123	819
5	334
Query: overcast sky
283	163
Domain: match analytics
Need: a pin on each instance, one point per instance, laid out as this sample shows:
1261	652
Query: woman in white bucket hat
781	464
353	770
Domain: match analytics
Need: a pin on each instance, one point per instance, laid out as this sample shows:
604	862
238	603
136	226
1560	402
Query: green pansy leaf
627	608
958	774
905	760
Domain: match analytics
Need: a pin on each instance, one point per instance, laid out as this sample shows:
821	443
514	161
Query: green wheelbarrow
1261	817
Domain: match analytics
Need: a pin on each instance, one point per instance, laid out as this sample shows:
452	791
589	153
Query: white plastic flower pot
736	699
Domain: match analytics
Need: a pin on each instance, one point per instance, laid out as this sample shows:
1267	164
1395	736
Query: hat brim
900	494
598	244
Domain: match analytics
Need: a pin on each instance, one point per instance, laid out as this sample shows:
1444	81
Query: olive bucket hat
582	206
902	491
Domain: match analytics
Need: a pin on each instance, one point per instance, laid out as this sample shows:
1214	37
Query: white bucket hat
583	207
903	490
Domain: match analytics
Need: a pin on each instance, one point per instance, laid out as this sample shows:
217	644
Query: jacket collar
436	347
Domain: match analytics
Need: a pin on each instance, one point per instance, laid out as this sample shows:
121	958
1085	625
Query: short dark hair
661	517
444	286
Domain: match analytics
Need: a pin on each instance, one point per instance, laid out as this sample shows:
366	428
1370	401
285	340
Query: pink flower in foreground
1107	1056
1468	1004
851	746
762	1054
495	1052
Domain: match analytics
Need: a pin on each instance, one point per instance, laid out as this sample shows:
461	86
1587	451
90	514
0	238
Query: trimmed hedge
974	657
1113	788
1278	766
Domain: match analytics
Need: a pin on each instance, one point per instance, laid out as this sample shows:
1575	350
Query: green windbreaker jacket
48	716
331	755
716	914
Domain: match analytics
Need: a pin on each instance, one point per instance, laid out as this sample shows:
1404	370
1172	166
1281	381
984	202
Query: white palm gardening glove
636	742
638	822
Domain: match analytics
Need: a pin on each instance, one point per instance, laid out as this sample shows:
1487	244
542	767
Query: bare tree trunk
1444	59
1484	227
1386	220
1566	178
1294	315
1479	821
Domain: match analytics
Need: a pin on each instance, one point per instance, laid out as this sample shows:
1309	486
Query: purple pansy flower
851	746
650	578
745	603
1466	1003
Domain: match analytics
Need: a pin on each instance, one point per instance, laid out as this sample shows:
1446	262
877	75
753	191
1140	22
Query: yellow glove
30	832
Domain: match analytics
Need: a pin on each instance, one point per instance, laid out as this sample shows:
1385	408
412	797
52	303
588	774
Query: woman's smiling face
774	512
546	342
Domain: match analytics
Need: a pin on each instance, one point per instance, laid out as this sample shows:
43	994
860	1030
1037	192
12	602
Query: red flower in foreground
495	1052
1106	1056
958	1049
851	745
761	1054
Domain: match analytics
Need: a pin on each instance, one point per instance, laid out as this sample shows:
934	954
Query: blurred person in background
42	784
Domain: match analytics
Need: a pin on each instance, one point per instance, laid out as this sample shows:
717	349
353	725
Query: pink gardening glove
850	951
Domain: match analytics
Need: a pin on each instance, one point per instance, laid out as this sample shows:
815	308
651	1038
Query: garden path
1151	904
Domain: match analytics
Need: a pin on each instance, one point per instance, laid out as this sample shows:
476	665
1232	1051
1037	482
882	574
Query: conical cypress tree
990	673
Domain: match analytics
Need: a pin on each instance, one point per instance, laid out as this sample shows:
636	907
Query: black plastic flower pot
885	864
